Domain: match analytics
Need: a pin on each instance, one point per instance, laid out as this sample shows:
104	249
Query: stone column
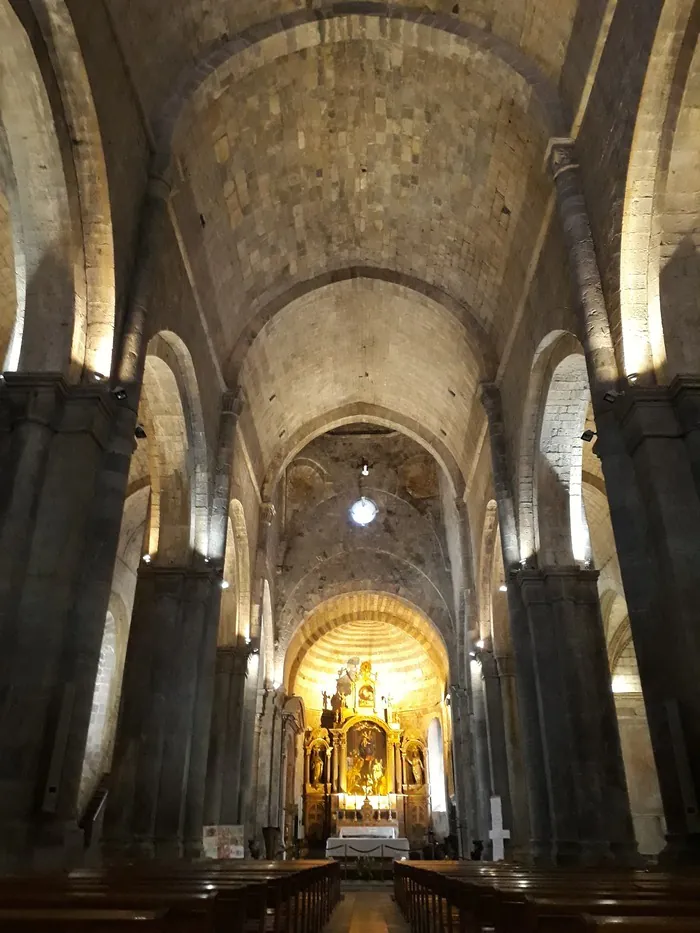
497	744
590	814
224	772
656	424
520	829
647	443
398	770
156	736
531	739
481	755
337	752
253	698
459	709
64	454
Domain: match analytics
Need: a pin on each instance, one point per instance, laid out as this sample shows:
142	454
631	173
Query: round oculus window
363	511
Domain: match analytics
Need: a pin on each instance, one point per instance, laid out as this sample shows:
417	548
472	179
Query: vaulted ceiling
342	144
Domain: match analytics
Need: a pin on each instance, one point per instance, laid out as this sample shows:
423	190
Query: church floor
368	910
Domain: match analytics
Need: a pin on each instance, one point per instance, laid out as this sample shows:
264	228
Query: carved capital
490	398
561	156
159	187
233	403
267	513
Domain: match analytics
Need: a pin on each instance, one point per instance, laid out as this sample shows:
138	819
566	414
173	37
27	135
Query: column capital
233	402
267	512
556	584
47	399
646	412
458	691
159	187
505	664
560	156
490	398
233	659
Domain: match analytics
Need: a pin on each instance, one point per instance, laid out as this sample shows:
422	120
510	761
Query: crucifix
497	834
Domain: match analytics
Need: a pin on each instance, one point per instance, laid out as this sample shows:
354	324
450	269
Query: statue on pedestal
316	767
417	769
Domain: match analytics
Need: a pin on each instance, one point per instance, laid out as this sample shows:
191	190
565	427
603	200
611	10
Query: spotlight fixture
633	379
610	396
363	511
364	469
147	558
225	584
588	435
140	432
502	588
98	377
119	392
480	644
472	654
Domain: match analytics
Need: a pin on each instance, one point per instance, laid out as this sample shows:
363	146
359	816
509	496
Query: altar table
369	832
371	848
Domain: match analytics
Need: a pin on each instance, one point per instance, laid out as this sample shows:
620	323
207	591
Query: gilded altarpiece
361	769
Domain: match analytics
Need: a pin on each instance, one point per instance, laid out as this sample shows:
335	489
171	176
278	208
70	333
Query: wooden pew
640	925
244	897
508	898
62	920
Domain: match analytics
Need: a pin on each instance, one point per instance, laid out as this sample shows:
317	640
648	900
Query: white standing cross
497	834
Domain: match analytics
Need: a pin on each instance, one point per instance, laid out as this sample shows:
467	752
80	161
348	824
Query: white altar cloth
374	848
373	832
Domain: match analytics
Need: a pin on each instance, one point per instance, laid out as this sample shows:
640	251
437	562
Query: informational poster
224	842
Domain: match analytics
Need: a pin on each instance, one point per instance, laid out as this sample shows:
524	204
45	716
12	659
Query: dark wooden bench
236	897
64	920
463	896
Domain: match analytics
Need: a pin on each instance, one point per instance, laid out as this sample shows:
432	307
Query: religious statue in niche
414	766
366	771
417	769
316	766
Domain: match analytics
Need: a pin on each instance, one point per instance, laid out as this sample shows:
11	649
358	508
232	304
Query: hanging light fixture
364	510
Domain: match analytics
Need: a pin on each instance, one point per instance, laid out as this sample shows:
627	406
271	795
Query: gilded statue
316	767
416	769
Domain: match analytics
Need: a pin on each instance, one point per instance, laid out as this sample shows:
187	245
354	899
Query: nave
367	910
309	897
349	443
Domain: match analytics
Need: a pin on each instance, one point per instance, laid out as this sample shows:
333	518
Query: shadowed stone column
532	750
656	424
250	744
649	451
224	771
497	744
64	455
156	737
223	766
460	712
482	764
520	831
590	814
